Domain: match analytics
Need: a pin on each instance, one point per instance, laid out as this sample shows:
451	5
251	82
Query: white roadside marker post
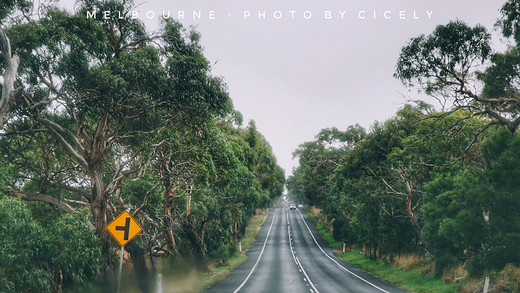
159	283
486	285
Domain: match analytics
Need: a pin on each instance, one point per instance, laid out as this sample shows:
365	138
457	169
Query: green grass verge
216	273
325	232
417	279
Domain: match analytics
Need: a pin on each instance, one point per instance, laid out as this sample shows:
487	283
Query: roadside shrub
508	280
63	256
223	253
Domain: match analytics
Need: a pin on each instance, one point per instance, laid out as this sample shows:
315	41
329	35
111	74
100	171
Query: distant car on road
300	206
292	207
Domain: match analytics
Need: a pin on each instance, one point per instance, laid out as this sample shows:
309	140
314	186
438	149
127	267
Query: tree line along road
290	256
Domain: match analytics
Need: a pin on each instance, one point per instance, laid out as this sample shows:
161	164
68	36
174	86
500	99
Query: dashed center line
296	260
339	265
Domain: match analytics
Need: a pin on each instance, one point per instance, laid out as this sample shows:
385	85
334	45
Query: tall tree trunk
99	212
199	250
188	203
232	228
203	222
168	220
412	217
236	233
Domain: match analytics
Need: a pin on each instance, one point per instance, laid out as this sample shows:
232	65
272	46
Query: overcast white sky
295	69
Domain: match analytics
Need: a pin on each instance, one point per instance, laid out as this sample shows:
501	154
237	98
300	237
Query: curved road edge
376	282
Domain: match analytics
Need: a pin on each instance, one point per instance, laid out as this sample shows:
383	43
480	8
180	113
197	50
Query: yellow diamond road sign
124	228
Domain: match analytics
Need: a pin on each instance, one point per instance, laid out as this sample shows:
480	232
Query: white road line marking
310	282
260	256
345	269
292	248
300	265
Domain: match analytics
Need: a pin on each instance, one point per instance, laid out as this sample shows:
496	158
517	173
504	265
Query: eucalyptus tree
9	61
247	172
471	214
100	86
183	166
374	189
56	256
455	63
261	161
319	158
378	190
9	93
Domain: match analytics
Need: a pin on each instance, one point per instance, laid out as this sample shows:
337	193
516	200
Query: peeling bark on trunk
188	204
91	159
412	217
168	229
167	217
167	204
9	93
233	228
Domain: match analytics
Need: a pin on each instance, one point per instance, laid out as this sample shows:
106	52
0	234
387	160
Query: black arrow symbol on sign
125	228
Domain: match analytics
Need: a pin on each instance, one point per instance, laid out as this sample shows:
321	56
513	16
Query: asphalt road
290	256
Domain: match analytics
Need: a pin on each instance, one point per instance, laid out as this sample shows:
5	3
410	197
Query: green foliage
408	186
441	184
38	259
79	253
6	175
143	191
141	123
509	22
473	216
445	63
444	55
245	177
8	6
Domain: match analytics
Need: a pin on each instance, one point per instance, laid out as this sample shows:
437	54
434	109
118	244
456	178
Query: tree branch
384	182
145	201
43	198
79	191
77	202
57	130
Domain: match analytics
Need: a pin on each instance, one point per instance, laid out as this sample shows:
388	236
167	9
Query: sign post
123	228
120	269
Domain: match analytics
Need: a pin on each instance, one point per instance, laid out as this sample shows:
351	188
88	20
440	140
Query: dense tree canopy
409	186
436	183
456	63
110	118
